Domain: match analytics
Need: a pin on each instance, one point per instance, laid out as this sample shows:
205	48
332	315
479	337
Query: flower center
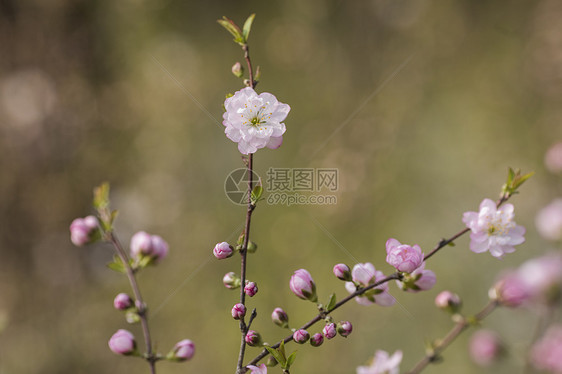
499	226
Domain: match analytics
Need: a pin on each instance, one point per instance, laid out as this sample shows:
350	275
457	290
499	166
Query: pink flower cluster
365	275
82	230
146	245
493	229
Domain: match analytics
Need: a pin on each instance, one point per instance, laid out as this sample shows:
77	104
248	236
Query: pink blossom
144	244
549	221
223	250
383	364
280	317
403	257
82	230
122	301
484	347
365	275
493	229
262	369
547	352
238	311
419	280
159	247
184	350
316	340
553	158
342	271
254	121
122	342
303	285
231	281
301	336
330	330
251	289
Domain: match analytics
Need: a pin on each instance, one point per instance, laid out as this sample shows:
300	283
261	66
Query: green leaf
276	355
101	196
331	303
452	244
290	360
117	265
257	191
282	348
248	26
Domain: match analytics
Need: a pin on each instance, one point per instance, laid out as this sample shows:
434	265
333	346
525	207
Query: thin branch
459	327
142	310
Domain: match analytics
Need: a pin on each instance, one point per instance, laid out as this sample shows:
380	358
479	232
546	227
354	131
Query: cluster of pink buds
83	230
144	245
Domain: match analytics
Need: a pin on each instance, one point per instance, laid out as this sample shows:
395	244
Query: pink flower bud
329	330
141	244
122	343
238	311
342	271
345	328
301	336
253	338
251	289
238	70
231	281
279	317
183	350
82	230
316	340
223	250
510	291
303	285
484	347
448	301
159	247
403	257
122	301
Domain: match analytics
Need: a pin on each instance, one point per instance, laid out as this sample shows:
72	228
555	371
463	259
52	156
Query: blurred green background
421	106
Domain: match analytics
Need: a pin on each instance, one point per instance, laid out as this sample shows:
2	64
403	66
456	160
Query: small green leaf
101	196
276	355
452	244
257	191
331	303
117	266
248	26
282	348
231	27
290	360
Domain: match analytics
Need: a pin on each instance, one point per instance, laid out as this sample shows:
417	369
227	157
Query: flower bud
238	311
183	351
485	347
223	250
131	316
301	336
510	291
237	70
159	247
82	230
329	330
316	340
553	158
403	257
549	220
253	338
231	280
280	318
251	289
252	247
122	343
342	271
262	369
122	301
345	328
303	285
448	301
141	244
